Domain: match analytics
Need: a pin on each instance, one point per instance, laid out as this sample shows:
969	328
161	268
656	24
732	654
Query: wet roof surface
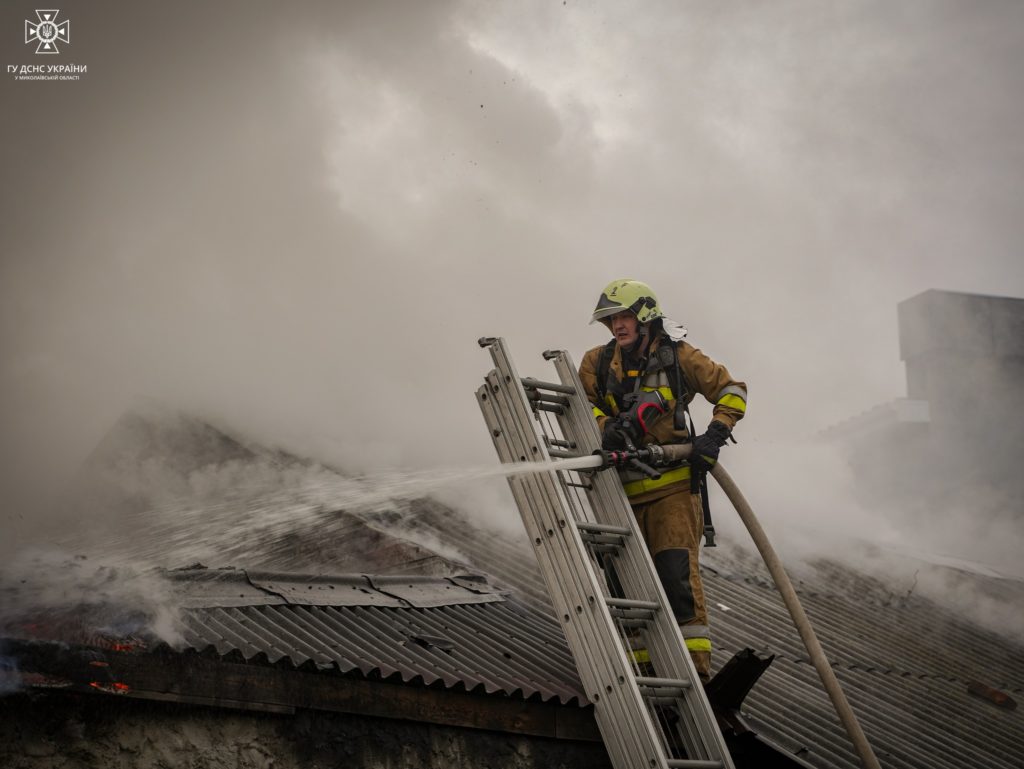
904	664
456	632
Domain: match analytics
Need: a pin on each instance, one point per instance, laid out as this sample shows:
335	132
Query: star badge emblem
48	32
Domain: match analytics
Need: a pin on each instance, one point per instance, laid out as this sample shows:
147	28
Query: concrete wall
944	463
60	731
964	355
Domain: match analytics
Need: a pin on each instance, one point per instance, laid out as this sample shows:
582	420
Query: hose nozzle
635	459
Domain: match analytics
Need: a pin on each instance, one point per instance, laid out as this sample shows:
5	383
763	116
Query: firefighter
640	385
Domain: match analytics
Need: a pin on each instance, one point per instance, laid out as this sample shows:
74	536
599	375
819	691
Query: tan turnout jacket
702	375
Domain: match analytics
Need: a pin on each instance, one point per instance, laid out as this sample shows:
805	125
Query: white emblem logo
48	32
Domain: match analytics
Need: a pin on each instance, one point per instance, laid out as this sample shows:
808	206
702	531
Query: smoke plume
296	219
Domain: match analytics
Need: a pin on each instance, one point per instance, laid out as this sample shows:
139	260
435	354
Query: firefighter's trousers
672	525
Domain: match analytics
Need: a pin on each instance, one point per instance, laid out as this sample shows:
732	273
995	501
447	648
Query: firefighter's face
625	328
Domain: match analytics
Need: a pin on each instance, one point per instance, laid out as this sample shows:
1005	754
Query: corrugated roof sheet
450	631
903	663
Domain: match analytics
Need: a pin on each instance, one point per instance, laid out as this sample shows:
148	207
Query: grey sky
296	220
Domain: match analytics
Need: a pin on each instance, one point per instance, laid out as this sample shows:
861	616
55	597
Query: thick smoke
48	593
297	220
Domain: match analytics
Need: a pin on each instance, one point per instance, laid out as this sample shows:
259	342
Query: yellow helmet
626	294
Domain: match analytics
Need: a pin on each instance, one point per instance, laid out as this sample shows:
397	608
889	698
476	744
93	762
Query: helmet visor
606	308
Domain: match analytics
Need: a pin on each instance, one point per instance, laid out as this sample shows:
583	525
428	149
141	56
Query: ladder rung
560	443
541	406
603	528
605	549
662	683
535	384
662	694
603	539
537	395
629	603
586	486
688	763
560	454
631	613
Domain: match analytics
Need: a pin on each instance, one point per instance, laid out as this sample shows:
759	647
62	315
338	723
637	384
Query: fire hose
646	460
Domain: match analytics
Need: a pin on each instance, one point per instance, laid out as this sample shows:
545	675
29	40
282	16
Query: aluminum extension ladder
599	574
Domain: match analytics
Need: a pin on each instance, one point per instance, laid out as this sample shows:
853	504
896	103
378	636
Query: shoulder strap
603	365
680	418
679	385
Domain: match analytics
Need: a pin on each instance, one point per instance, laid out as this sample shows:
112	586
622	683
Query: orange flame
112	688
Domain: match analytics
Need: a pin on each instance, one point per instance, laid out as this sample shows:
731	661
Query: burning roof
470	615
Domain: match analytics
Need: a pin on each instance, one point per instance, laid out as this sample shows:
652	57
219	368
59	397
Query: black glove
705	451
612	438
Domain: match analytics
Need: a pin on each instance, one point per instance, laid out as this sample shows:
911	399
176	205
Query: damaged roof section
199	587
456	632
